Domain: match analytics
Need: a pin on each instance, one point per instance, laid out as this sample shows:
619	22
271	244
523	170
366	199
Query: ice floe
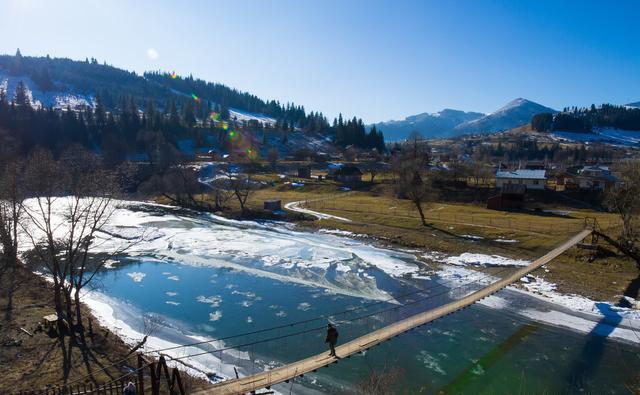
137	276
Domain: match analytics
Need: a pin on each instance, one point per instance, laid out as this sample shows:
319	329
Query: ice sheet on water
262	249
128	323
468	258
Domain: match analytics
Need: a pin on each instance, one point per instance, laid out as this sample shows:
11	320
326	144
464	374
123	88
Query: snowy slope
611	136
239	115
247	116
64	99
516	113
56	99
439	124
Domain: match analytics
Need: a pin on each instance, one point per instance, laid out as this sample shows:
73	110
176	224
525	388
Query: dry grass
395	222
38	361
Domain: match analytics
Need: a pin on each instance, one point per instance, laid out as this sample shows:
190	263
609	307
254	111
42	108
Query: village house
532	179
595	178
347	174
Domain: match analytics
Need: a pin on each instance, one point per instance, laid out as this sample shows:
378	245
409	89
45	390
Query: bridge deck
290	371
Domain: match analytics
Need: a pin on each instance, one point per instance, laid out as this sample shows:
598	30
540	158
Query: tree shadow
89	358
43	359
632	291
10	284
587	363
460	383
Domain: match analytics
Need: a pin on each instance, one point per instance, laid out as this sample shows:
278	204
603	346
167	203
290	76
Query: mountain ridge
439	123
451	123
515	113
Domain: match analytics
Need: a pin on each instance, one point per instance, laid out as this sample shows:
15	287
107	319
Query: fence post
140	375
155	388
176	379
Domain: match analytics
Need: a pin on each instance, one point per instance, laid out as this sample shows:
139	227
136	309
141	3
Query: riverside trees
57	210
410	170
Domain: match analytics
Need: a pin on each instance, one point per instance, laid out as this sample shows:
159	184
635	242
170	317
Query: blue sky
378	60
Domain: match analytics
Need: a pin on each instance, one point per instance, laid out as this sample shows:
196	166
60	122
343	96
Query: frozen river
198	278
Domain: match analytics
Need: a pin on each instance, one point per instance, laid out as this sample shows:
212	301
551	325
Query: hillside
60	83
636	104
56	103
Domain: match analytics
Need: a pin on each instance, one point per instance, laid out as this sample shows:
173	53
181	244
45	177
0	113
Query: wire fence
544	223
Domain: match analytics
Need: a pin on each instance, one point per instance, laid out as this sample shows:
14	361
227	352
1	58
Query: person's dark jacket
332	335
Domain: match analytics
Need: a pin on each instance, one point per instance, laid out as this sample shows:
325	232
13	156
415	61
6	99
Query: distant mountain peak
518	102
515	113
636	104
449	122
437	124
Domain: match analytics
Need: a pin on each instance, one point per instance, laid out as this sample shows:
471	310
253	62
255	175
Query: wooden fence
147	378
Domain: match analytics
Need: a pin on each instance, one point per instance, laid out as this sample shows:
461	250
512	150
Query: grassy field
456	227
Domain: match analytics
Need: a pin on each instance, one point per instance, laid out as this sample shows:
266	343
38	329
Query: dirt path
295	206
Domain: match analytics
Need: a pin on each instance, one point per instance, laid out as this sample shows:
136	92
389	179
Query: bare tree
479	171
180	184
12	195
242	187
272	157
373	171
379	382
410	168
624	199
72	203
221	192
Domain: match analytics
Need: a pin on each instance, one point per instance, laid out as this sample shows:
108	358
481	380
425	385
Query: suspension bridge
417	309
266	379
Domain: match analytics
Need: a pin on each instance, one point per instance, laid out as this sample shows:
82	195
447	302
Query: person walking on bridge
332	339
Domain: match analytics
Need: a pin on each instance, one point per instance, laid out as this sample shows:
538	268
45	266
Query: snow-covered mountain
636	104
439	124
516	113
448	123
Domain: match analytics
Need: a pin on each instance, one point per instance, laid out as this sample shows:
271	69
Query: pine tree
100	112
16	64
21	98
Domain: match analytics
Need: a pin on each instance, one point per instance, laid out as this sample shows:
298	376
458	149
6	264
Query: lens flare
225	125
214	116
174	75
196	98
252	154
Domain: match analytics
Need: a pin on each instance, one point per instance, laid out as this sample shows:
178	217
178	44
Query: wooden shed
273	205
511	196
